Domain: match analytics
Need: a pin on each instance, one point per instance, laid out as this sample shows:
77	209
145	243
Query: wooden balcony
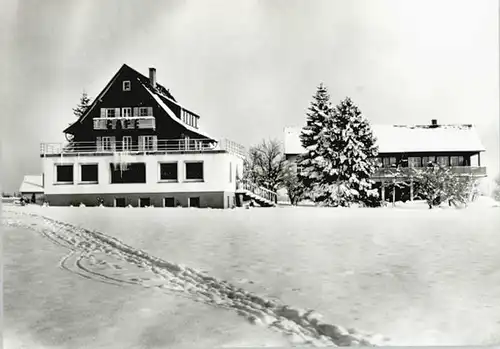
126	123
156	146
407	172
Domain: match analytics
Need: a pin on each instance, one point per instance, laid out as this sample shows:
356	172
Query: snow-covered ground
418	276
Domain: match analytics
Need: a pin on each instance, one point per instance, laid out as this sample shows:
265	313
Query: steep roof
32	184
409	138
160	93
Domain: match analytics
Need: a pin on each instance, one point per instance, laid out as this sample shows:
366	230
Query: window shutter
155	142
99	143
150	111
103	112
117	112
113	142
141	142
136	111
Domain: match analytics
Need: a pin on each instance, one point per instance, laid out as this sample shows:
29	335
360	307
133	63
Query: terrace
152	146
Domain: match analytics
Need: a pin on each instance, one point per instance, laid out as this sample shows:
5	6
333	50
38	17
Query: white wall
216	170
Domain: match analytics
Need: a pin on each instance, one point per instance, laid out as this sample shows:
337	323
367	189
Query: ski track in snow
96	256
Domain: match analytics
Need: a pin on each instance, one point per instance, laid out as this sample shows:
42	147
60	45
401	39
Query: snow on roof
174	117
408	138
32	184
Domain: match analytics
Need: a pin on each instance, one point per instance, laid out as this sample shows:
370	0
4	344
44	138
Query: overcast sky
249	68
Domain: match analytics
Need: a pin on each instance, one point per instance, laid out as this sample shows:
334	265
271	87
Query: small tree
437	184
266	165
295	189
82	107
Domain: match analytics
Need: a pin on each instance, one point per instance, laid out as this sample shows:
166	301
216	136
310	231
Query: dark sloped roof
160	93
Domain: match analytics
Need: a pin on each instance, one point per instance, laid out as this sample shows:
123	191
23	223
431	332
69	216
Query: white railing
126	123
160	145
232	147
257	190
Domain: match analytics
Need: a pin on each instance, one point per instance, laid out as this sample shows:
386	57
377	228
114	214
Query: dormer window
126	86
110	113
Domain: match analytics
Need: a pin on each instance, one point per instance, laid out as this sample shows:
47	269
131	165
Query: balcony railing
257	190
126	123
408	171
150	145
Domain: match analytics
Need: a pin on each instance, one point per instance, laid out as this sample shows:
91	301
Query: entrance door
194	202
169	202
143	202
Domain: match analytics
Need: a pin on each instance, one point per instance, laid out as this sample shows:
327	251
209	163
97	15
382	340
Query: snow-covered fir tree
348	155
310	164
82	107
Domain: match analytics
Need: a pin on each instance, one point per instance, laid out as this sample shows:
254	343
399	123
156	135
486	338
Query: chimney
434	123
152	77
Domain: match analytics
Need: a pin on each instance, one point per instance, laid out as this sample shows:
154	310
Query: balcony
150	146
406	172
125	123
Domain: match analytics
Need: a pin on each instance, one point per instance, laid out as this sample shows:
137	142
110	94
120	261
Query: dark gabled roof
160	94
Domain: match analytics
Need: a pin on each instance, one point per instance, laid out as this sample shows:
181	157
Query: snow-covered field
417	276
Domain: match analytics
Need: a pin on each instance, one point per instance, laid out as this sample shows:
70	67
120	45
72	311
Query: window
194	171
127	143
456	161
168	171
143	111
89	173
110	112
144	202
120	202
127	112
64	173
126	86
108	143
230	172
147	142
389	161
135	173
443	160
169	202
426	160
194	202
414	161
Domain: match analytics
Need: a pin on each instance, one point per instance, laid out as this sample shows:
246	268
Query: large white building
136	145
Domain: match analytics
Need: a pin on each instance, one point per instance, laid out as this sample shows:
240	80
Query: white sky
250	67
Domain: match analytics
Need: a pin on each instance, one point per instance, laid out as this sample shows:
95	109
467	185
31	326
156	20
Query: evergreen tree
311	164
349	158
82	107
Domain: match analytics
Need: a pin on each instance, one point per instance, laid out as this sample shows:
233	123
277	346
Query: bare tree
266	165
438	184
